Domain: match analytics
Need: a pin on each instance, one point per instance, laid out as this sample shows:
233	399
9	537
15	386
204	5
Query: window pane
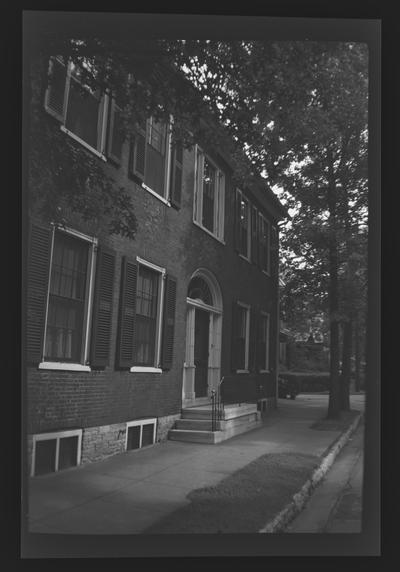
67	299
67	455
45	456
83	114
157	136
209	195
146	316
133	441
147	434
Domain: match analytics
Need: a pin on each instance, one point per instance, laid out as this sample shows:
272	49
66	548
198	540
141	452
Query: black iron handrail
217	406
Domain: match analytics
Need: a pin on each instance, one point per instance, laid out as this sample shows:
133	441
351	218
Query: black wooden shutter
127	315
176	175
115	135
169	322
234	349
102	308
253	341
54	101
39	250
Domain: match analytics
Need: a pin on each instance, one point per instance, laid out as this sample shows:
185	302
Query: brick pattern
167	237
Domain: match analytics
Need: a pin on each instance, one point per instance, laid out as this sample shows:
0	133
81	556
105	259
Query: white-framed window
140	433
69	300
263	341
81	110
264	243
149	312
244	211
242	335
53	452
153	160
209	198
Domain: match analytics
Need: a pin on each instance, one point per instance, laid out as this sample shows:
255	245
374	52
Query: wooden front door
201	335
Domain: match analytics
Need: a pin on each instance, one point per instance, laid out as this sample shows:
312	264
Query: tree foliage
294	111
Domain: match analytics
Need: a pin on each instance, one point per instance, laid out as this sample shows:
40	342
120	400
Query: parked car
287	388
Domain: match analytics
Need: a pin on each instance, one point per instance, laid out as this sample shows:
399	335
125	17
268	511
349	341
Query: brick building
122	334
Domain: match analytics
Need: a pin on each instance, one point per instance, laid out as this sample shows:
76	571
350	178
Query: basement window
54	452
140	433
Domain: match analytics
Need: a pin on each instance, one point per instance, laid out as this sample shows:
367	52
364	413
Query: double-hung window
264	243
244	225
146	317
66	334
81	109
156	162
69	299
209	200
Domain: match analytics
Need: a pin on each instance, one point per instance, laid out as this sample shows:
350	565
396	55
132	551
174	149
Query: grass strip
244	501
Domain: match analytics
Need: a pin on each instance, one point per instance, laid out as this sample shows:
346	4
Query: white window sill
265	371
244	257
144	369
82	142
159	197
209	232
55	365
242	371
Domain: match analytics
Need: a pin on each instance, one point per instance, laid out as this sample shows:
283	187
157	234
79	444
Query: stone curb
299	499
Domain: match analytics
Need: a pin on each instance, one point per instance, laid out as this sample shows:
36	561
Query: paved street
336	504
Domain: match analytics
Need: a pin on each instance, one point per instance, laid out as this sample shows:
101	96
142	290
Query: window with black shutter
61	267
209	202
151	155
146	317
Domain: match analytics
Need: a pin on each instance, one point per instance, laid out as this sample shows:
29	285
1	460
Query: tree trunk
346	366
334	392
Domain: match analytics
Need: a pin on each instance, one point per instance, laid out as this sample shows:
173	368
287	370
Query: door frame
214	343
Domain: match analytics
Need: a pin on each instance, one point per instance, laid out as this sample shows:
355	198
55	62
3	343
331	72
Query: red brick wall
168	238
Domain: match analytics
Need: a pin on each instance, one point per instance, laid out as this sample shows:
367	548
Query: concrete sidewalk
127	493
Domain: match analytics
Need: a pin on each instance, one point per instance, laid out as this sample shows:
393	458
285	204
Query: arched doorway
202	367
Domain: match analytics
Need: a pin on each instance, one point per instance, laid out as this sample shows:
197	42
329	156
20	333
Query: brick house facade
115	327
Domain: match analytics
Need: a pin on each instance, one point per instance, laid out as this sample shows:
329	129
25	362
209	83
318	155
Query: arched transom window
199	290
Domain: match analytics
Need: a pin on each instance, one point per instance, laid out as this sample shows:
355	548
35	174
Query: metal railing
217	406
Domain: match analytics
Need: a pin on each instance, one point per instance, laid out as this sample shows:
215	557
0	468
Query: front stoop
195	423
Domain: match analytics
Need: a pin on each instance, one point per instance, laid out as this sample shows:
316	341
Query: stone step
197	424
229	428
230	411
192	436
